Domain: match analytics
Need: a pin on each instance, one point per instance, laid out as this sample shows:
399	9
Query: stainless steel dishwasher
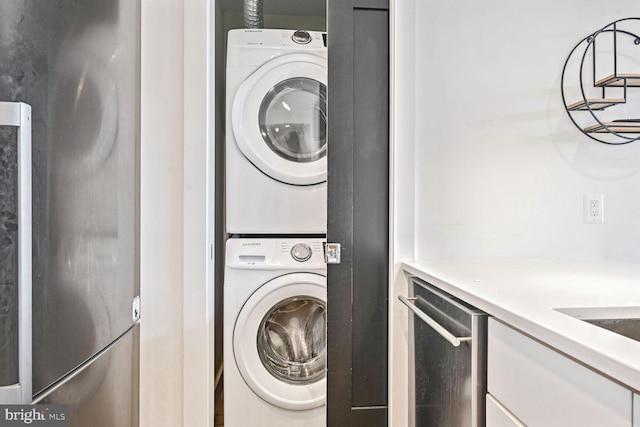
447	359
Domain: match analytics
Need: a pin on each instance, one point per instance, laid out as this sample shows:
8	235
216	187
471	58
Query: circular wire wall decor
601	83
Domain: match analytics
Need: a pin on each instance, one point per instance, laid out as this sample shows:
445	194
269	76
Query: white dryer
276	134
274	333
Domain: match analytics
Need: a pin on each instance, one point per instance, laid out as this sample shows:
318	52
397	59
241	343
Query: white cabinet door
499	416
636	410
544	388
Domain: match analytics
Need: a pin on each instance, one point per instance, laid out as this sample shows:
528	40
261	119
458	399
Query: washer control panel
273	254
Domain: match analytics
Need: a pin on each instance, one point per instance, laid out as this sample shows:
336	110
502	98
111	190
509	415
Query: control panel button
301	252
301	37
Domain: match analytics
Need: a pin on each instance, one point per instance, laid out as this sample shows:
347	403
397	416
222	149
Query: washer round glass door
279	119
279	341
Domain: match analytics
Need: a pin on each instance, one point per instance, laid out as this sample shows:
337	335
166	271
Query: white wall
161	269
486	161
500	169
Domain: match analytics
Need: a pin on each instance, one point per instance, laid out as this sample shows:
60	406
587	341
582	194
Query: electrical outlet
593	208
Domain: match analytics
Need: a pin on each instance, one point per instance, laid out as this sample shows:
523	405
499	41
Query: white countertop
524	294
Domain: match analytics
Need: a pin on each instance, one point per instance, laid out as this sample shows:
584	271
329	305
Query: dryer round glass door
279	119
279	341
293	119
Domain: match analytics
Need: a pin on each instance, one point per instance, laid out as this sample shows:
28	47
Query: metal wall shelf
608	128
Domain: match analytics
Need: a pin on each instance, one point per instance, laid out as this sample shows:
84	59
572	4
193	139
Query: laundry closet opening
272	159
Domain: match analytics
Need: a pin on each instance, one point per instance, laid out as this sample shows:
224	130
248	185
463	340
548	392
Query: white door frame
198	214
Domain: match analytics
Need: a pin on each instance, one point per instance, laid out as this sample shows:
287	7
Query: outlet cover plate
593	208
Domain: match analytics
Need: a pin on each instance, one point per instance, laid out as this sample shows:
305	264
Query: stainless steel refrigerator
77	64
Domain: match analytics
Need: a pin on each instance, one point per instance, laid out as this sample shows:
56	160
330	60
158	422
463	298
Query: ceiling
282	7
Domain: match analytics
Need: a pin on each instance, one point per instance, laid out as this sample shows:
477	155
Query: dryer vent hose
253	15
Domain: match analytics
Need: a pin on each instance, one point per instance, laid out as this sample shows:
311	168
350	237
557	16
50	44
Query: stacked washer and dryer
275	274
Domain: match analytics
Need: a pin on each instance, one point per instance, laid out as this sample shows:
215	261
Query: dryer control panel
247	46
275	254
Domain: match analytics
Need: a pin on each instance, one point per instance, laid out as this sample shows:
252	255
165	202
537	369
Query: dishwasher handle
444	333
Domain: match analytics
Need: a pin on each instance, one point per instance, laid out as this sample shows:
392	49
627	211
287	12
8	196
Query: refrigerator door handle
18	114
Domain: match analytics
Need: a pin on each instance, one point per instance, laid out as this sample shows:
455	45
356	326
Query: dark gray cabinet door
358	211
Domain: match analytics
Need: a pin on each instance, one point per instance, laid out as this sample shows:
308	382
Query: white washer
276	136
274	333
